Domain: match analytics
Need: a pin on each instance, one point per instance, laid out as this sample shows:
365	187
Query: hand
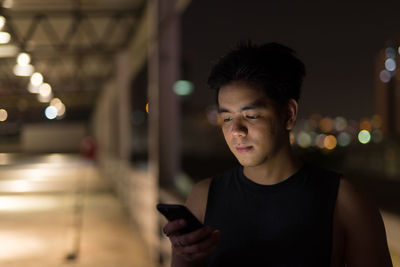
192	246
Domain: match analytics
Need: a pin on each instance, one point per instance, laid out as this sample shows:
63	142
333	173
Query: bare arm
365	237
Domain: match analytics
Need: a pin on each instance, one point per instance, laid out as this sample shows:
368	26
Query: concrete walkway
58	212
55	210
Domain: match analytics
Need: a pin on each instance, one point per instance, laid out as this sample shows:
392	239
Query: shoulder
197	199
352	203
363	227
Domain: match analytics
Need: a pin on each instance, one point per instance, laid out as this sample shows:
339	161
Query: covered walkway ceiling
71	43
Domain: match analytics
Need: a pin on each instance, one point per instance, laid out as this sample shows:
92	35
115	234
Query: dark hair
271	67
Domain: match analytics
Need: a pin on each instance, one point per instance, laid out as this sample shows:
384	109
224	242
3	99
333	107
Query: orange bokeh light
330	142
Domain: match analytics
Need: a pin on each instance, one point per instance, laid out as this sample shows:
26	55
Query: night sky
337	40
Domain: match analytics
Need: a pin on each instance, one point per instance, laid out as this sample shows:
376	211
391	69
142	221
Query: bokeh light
390	52
44	99
60	110
340	124
330	142
2	22
36	79
365	124
390	64
33	89
376	121
344	139
183	87
55	102
319	141
59	105
304	139
23	59
326	125
385	76
3	115
23	70
5	37
314	120
364	137
51	112
45	89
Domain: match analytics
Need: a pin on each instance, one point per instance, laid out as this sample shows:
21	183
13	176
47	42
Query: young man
273	209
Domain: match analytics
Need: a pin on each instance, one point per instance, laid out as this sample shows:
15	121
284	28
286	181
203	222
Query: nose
238	128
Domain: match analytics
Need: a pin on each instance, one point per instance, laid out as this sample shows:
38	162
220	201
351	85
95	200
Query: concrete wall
60	137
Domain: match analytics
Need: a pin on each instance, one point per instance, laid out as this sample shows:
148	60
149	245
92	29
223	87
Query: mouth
243	149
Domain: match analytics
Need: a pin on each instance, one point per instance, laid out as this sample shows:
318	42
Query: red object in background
89	148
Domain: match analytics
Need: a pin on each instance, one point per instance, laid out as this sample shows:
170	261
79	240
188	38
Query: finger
199	255
175	242
195	236
174	227
206	245
200	250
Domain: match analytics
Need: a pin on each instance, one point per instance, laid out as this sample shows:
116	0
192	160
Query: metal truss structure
72	43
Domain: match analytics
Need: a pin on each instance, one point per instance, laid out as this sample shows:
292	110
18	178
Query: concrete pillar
164	71
124	105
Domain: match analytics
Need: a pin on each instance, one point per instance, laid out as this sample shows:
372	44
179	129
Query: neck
275	169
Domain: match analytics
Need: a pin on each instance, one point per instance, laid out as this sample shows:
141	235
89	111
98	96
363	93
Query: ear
291	114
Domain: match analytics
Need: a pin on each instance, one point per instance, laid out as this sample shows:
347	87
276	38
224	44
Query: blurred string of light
24	68
327	133
331	133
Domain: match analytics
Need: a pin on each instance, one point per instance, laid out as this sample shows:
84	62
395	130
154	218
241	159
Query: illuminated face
252	126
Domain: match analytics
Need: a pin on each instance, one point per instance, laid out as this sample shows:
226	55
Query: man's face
252	126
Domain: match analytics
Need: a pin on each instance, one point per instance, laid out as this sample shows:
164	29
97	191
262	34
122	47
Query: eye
252	117
227	119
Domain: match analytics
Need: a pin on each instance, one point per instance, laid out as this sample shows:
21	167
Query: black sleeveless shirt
286	224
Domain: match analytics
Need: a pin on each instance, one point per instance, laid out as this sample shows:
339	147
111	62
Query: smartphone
173	212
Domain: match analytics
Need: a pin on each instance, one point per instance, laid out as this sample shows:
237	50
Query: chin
251	162
247	163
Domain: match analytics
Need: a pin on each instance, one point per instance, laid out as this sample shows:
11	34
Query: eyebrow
246	107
